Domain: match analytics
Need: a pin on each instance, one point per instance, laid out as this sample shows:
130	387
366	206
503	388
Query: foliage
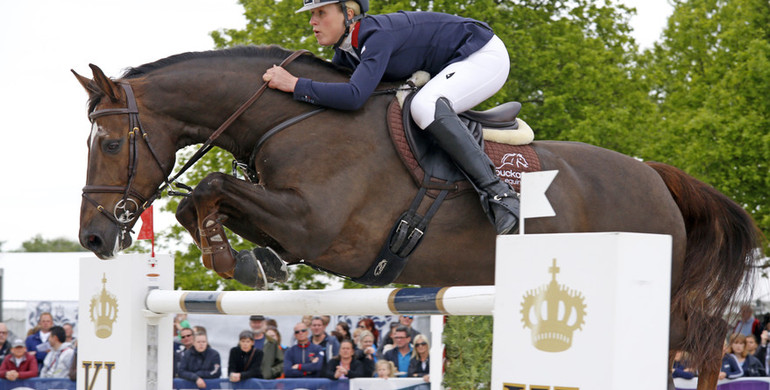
711	77
468	342
40	244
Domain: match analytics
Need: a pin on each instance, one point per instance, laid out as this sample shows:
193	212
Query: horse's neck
217	96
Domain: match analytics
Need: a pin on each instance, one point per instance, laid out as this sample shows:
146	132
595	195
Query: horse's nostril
94	242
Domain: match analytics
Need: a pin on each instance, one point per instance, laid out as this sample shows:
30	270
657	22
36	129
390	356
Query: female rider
467	61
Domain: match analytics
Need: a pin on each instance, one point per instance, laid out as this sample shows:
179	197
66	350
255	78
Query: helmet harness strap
347	23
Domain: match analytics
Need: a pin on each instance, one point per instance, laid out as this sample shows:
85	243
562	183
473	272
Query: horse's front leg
250	211
187	216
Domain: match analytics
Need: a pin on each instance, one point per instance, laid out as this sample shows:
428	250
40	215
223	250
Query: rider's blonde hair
354	6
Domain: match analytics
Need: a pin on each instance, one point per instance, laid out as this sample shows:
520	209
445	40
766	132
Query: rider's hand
280	79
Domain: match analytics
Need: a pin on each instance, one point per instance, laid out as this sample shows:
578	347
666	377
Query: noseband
127	209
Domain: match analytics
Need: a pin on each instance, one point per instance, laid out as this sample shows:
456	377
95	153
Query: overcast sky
42	107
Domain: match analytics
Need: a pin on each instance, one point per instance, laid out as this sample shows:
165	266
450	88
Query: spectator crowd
315	352
259	351
745	351
47	352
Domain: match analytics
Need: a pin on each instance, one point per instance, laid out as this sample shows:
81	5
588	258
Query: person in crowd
419	365
201	362
385	369
5	345
274	334
747	324
750	365
344	366
272	358
245	360
58	360
37	343
681	368
752	347
343	331
306	320
366	353
405	321
401	354
180	322
271	323
187	338
357	335
368	324
329	344
68	333
730	369
258	326
761	353
304	359
18	364
199	330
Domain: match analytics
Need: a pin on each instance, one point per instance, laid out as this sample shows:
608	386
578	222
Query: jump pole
463	300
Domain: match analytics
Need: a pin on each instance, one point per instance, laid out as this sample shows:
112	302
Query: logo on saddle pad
510	168
553	312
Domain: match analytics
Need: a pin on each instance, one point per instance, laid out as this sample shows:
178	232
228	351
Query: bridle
127	208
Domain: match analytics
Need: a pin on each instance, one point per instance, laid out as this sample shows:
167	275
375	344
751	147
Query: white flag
534	203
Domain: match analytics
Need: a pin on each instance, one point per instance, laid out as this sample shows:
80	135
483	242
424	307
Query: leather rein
127	209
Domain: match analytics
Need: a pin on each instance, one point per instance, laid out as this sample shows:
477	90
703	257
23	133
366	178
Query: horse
330	186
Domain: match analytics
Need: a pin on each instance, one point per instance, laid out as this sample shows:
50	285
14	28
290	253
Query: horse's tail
723	243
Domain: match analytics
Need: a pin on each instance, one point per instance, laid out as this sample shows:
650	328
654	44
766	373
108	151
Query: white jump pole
464	300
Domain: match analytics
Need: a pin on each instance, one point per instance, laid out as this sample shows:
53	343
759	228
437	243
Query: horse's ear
105	85
86	83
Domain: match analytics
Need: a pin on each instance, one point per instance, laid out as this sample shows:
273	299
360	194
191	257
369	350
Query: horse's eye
112	146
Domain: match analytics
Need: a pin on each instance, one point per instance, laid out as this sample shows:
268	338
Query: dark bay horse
331	186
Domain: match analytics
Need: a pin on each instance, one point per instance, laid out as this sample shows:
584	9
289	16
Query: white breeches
464	83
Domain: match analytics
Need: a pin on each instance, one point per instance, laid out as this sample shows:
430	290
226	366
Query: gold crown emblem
553	312
104	310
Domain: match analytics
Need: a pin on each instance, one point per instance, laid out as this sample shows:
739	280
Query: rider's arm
352	95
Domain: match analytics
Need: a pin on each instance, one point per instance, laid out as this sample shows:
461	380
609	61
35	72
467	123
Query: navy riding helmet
364	4
310	4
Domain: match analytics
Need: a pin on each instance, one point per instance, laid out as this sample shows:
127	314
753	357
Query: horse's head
125	164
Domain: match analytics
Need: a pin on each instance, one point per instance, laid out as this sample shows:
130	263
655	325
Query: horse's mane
271	51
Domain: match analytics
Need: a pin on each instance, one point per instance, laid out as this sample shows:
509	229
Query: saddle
437	176
507	144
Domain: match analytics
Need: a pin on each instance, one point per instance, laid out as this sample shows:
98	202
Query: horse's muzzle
104	244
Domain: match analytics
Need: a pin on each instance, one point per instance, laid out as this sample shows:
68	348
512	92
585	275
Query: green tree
711	76
40	244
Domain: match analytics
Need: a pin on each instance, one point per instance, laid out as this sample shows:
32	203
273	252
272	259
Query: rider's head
331	19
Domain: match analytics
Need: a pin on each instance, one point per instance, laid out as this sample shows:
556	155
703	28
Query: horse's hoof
276	270
248	270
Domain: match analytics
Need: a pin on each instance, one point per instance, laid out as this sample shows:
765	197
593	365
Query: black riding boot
498	199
